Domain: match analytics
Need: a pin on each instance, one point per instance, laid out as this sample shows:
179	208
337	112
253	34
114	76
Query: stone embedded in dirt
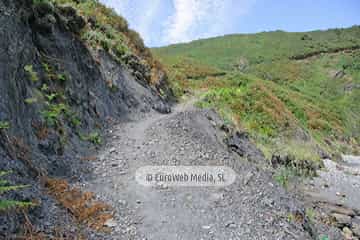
224	128
230	225
216	197
339	209
341	219
248	178
162	107
110	223
340	194
355	226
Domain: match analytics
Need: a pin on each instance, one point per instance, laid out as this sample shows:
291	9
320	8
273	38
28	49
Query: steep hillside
67	69
295	93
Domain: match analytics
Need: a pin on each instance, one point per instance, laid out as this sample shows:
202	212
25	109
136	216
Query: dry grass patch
81	205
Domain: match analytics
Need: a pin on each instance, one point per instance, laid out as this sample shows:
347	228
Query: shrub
61	77
94	138
53	113
283	176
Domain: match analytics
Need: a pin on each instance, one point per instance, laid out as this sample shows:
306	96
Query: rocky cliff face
56	97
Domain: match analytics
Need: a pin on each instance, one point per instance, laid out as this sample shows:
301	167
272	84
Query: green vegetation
284	175
4	125
31	73
5	187
40	1
310	214
93	137
53	112
293	92
236	51
61	77
30	100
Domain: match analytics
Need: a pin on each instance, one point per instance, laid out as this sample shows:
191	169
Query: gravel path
253	207
338	183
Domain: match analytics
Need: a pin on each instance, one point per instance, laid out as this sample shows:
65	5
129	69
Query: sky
164	22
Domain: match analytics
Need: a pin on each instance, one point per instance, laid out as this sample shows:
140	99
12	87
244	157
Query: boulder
242	145
341	219
340	209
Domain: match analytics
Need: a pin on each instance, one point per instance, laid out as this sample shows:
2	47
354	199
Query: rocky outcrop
56	96
240	143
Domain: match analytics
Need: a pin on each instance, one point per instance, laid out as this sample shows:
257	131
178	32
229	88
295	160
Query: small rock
216	197
230	225
206	227
110	223
161	185
340	194
347	233
340	210
341	219
248	178
162	108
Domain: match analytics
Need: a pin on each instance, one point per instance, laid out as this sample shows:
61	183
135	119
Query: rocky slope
57	94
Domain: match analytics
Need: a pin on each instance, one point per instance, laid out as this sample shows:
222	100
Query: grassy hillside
293	92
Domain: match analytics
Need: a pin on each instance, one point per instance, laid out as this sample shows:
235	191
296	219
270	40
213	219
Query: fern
10	188
4	187
9	204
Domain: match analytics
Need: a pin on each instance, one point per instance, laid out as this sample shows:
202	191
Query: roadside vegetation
297	94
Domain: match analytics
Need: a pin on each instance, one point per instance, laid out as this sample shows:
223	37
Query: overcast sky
163	22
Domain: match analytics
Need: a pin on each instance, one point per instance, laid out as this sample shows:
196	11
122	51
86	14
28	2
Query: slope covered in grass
298	89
